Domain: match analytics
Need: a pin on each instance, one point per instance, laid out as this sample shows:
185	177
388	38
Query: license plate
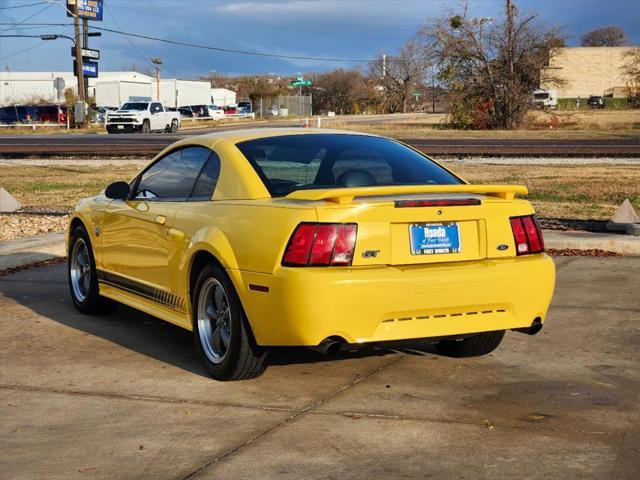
121	127
434	238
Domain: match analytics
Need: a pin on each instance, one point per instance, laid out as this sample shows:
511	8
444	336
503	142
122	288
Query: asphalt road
123	396
16	146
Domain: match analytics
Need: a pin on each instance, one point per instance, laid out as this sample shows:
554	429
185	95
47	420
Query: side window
156	107
173	177
206	183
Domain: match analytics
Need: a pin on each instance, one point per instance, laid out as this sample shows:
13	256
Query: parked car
51	113
244	107
202	111
100	114
595	101
311	238
545	99
273	111
19	114
142	117
216	112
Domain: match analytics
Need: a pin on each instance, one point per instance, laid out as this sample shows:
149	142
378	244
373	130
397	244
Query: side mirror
118	191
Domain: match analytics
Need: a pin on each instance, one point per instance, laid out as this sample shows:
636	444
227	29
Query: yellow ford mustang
320	238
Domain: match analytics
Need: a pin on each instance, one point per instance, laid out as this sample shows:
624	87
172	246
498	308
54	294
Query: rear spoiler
346	195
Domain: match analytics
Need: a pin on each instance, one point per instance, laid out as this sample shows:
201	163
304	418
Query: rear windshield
134	106
296	162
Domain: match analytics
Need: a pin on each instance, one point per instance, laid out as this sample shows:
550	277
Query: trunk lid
458	223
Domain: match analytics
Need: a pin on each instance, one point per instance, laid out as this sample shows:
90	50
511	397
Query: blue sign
87	9
89	69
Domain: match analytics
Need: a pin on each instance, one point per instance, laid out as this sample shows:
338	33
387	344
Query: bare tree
144	69
612	36
400	74
345	92
491	74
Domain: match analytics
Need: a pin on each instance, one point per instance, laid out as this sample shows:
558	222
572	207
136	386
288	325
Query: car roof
237	136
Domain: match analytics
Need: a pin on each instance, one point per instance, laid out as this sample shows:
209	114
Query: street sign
301	82
87	9
87	53
89	69
59	84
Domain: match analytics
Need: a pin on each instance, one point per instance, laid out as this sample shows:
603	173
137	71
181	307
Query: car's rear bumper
303	306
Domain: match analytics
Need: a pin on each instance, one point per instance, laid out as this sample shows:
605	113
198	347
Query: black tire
174	126
146	127
243	358
92	302
474	346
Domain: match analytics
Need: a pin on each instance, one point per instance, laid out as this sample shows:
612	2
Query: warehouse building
111	89
586	71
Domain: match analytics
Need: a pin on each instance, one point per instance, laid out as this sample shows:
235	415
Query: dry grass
585	119
419	131
577	191
581	191
60	187
570	125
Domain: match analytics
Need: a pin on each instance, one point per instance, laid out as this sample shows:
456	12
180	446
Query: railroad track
93	145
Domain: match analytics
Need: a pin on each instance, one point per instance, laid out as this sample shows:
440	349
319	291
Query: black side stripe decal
159	296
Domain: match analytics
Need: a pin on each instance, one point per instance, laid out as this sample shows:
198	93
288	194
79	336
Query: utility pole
157	61
510	80
433	93
85	44
384	65
79	72
510	30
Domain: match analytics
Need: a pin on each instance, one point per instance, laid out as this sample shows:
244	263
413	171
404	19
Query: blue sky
322	28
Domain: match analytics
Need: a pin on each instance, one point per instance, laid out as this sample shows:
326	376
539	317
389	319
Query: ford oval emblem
502	247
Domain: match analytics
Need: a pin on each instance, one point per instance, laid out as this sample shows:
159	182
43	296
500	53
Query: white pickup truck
142	117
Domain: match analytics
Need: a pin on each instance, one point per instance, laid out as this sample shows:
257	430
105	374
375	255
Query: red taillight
447	202
345	244
321	244
527	235
300	244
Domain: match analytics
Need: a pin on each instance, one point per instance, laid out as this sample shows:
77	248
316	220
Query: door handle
161	219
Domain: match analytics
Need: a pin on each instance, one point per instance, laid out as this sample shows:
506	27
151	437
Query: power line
36	24
23	51
145	59
23	6
13	25
204	47
230	50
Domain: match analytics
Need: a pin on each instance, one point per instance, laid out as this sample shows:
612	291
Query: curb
608	242
25	251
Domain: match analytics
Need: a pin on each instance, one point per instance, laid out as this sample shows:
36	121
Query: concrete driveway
123	396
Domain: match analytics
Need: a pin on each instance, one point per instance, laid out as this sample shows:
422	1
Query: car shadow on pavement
45	292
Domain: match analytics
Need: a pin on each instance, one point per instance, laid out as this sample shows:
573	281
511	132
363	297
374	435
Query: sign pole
79	72
85	45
